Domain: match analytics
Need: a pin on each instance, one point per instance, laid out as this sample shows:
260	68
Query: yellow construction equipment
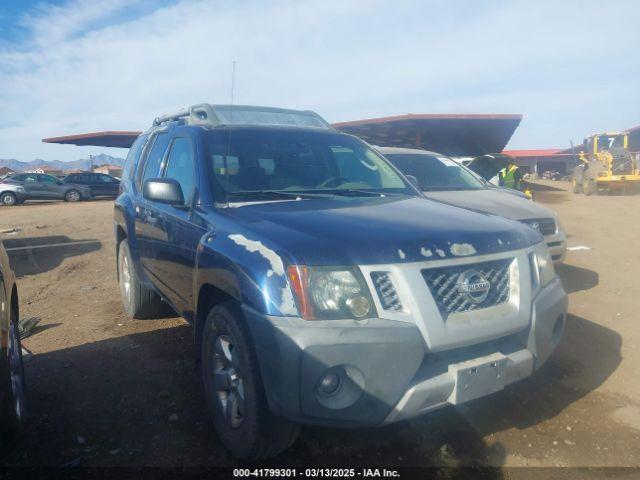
606	165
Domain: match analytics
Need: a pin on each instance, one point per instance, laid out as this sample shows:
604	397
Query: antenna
226	157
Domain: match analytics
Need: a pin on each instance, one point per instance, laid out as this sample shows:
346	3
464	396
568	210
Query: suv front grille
386	291
546	226
445	285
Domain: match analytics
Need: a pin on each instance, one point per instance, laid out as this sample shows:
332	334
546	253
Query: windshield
435	173
250	162
606	142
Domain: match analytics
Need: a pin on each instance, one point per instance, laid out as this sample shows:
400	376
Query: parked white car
441	178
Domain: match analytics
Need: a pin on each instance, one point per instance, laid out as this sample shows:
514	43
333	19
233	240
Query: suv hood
369	231
494	201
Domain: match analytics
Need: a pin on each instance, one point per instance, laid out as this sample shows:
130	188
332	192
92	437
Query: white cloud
83	68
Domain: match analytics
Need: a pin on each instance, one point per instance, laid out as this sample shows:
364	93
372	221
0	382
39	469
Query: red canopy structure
122	139
459	135
452	134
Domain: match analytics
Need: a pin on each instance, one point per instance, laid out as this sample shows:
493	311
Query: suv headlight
543	264
329	293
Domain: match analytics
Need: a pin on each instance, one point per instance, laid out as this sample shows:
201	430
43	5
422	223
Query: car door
146	218
179	227
30	183
50	187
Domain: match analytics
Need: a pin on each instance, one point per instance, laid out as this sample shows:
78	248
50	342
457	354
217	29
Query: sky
571	68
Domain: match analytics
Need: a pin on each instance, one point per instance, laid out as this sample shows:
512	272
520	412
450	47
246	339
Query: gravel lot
105	390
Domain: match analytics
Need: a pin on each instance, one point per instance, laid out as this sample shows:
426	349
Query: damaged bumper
381	369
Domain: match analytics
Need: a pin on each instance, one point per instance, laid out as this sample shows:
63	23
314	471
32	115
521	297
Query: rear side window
154	159
105	179
181	165
133	156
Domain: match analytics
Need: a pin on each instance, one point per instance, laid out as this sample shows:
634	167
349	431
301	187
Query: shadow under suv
319	281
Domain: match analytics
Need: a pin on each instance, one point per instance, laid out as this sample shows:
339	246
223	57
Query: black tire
254	433
72	195
577	188
590	187
8	199
138	300
11	387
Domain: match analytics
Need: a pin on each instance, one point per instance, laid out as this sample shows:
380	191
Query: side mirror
413	180
163	190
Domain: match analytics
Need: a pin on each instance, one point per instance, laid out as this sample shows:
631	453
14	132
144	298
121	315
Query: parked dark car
11	369
319	280
40	186
100	185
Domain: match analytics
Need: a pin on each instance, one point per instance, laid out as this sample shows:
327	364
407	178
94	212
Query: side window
154	159
48	179
18	178
32	178
133	156
105	179
181	165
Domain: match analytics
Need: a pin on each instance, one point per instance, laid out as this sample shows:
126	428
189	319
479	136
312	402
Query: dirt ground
105	390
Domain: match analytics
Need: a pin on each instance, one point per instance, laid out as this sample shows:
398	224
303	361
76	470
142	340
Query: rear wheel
234	389
11	382
8	199
577	188
138	300
590	187
72	196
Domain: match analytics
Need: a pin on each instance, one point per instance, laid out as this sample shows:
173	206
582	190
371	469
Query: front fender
249	271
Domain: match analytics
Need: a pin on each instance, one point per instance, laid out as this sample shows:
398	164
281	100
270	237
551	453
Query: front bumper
386	372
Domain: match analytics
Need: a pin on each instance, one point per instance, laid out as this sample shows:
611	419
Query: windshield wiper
356	192
275	193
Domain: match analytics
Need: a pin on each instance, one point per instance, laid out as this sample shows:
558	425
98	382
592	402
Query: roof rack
207	115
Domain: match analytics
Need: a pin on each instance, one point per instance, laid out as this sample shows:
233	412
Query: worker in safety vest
510	176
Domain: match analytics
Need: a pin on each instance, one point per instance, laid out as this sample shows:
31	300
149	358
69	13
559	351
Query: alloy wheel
227	381
8	200
73	196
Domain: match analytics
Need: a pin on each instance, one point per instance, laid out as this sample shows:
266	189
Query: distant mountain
81	164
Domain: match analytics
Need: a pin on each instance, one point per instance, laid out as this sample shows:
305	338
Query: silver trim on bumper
433	392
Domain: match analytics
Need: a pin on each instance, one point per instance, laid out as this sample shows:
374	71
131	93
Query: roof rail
207	115
200	114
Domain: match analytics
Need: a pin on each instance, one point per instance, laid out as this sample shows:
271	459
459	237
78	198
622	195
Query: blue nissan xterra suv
322	286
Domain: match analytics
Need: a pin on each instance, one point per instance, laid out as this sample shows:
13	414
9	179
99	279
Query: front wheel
234	389
72	196
8	199
11	382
